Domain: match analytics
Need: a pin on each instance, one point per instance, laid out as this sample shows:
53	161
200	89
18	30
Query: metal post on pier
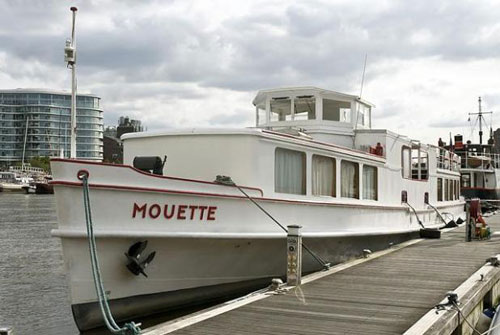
294	256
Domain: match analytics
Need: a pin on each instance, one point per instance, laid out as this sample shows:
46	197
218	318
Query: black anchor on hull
135	264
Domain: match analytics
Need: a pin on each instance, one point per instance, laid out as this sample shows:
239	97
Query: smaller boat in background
10	182
480	164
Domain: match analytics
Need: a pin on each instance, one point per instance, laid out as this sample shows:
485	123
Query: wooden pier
387	293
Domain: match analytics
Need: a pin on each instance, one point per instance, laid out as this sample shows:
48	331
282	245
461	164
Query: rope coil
130	328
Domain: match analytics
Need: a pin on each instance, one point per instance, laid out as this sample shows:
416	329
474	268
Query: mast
480	117
480	122
70	58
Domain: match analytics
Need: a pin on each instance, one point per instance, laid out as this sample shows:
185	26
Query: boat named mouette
312	159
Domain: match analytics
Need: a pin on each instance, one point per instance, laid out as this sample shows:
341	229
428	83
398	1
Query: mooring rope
130	328
229	182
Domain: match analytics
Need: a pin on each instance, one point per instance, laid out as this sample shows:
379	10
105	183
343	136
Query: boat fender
135	264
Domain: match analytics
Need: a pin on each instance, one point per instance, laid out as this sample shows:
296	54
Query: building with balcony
37	123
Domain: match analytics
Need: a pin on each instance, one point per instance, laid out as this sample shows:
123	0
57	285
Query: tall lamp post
70	58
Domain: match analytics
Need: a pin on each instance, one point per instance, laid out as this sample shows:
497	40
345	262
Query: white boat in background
11	182
313	159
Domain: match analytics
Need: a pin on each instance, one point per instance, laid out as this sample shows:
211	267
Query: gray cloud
131	52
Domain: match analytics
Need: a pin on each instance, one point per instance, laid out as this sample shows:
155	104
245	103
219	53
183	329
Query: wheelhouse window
440	189
281	109
370	184
336	110
363	117
419	164
261	116
289	171
414	163
323	176
405	162
305	108
349	175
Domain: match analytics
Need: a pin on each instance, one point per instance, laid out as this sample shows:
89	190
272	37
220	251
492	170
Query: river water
34	294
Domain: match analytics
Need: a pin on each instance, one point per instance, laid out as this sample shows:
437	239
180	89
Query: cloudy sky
176	64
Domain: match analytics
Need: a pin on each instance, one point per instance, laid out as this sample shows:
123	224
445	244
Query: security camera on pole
70	58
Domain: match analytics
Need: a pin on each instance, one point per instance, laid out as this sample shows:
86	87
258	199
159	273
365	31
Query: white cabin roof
260	98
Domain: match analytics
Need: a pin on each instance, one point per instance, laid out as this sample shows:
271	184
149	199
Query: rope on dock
130	328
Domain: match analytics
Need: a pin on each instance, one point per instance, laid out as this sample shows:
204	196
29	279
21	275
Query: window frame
334	180
357	180
304	171
376	181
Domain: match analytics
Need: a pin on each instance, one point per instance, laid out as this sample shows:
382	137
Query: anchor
135	264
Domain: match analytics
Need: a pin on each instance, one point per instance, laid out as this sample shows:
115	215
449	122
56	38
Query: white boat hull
203	252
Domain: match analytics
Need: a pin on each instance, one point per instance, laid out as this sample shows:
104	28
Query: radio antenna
363	77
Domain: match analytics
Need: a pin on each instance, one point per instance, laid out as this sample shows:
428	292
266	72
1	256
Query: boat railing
481	161
447	160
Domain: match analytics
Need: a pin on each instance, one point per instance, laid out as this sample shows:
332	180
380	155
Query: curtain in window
349	175
369	182
289	171
323	176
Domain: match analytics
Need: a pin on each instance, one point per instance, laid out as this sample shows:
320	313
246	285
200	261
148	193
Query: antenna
363	77
480	118
70	58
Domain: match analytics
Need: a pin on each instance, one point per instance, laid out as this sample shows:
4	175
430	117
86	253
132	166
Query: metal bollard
294	256
468	231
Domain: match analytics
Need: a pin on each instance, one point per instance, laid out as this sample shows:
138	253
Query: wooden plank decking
386	295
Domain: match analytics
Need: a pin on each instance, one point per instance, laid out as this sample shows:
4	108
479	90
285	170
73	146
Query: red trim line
144	189
147	174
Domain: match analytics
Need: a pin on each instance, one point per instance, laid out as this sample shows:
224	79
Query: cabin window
465	180
290	171
405	162
349	175
323	175
305	108
446	190
370	185
281	109
261	116
336	110
452	190
440	189
457	189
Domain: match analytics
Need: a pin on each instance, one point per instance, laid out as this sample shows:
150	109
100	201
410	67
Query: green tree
41	162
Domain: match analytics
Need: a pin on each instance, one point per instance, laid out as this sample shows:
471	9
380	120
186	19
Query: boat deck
382	295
